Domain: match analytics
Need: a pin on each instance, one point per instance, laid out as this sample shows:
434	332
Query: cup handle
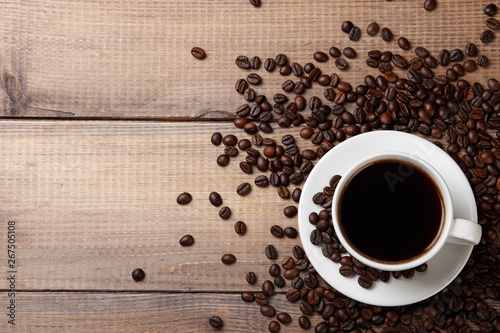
464	232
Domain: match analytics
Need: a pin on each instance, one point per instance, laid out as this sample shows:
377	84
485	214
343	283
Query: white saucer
442	269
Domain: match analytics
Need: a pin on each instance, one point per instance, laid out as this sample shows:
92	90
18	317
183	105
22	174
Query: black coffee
391	211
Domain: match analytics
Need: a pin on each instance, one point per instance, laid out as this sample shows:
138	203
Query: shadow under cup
390	212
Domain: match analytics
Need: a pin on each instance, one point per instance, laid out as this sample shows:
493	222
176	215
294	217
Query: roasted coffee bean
483	61
247	296
244	189
290	232
138	274
267	310
281	59
269	64
341	64
443	57
355	34
372	29
290	211
490	9
274	326
306	308
386	34
228	259
254	78
279	282
404	43
277	231
225	213
487	36
251	278
240	227
186	240
216	322
243	62
349	52
430	5
492	23
421	52
284	318
304	322
347	26
216	139
271	252
267	288
260	299
320	56
456	55
198	52
261	181
184	198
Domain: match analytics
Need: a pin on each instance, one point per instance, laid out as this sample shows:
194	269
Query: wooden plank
94	200
132	59
145	312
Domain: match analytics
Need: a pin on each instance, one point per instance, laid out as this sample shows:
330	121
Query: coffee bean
470	49
456	55
320	56
198	52
251	278
216	139
271	252
306	308
267	310
277	231
215	199
281	59
490	9
244	189
492	23
483	61
225	213
216	322
274	326
487	36
349	52
355	34
290	211
247	296
254	78
261	299
404	43
365	282
228	259
443	57
279	282
186	240
345	270
341	64
184	198
334	52
386	34
421	52
430	5
304	322
290	232
138	274
347	26
269	64
267	288
240	227
284	318
372	29
243	62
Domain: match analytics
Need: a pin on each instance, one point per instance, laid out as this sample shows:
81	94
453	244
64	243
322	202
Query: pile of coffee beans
433	99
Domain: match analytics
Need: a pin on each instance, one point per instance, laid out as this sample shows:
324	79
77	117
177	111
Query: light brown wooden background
93	153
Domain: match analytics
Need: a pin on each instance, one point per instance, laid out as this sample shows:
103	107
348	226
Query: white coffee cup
452	230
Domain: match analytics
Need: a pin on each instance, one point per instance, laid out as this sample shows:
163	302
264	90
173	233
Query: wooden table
106	118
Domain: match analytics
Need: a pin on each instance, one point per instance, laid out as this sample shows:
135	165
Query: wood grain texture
131	59
94	200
